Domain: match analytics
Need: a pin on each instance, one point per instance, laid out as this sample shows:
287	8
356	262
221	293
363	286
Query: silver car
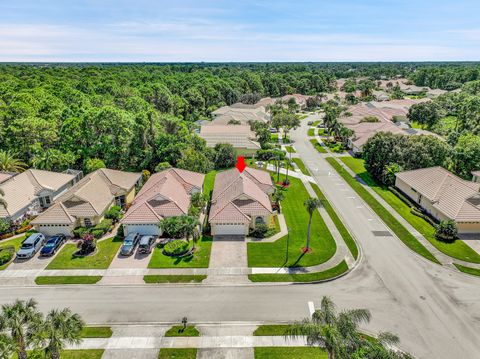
30	246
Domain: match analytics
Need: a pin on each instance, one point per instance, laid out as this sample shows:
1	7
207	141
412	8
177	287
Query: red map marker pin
240	164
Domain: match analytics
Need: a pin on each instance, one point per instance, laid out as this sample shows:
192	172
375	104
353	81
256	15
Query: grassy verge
311	132
16	242
296	216
177	353
290	149
318	146
457	249
174	278
52	280
399	230
199	259
106	250
209	182
73	354
289	353
96	332
271	330
177	331
301	166
352	246
468	270
340	268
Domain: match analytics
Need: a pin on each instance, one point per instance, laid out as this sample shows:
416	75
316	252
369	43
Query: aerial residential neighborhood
241	180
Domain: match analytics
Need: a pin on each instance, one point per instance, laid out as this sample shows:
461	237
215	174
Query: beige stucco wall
129	197
468	227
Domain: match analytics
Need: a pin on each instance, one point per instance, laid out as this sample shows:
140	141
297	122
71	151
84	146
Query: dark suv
52	245
146	244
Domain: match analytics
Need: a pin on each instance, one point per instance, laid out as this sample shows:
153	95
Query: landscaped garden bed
181	331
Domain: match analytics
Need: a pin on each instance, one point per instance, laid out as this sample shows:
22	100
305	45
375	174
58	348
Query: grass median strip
399	230
318	146
174	278
468	270
333	272
96	332
271	330
180	331
311	132
177	353
55	280
289	353
457	249
352	246
301	166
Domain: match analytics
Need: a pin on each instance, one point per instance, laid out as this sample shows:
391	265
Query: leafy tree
198	199
467	154
311	204
9	163
114	213
424	113
4	225
194	161
21	319
446	230
224	156
61	327
53	160
366	87
162	166
93	164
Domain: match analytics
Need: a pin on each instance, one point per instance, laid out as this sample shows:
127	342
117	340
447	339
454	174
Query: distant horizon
187	31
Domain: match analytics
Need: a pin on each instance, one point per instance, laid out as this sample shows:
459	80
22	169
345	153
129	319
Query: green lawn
290	149
301	166
152	279
96	332
52	280
106	250
352	246
271	330
208	182
274	137
457	249
177	331
321	132
289	353
401	232
315	123
17	242
311	132
340	268
75	354
177	353
322	243
199	259
468	270
318	146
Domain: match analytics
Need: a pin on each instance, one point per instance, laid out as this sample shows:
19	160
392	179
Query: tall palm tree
190	225
20	319
7	346
9	163
59	328
336	333
3	203
311	204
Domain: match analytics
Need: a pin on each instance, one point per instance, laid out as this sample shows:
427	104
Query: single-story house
443	195
30	192
85	204
381	96
240	112
240	201
165	194
241	137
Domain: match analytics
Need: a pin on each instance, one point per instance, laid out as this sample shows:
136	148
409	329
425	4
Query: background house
239	136
85	204
240	201
165	194
30	192
443	195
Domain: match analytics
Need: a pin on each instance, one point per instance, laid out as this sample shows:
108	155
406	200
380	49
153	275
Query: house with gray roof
30	192
240	201
241	137
165	194
443	195
85	204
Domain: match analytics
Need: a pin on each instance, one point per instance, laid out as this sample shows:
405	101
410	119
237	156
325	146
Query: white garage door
142	229
229	229
53	229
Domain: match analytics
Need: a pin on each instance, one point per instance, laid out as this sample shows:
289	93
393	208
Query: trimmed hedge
176	248
6	254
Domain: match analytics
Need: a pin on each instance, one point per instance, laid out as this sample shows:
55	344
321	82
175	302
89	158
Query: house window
47	201
120	201
259	220
88	222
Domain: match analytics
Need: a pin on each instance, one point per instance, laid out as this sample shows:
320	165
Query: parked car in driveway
146	244
52	245
320	125
31	246
129	244
310	123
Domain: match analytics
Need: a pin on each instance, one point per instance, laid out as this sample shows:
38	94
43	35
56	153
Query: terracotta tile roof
456	198
22	189
92	195
165	194
238	196
239	136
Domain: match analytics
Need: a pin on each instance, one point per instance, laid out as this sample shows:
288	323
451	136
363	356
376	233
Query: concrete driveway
228	259
36	262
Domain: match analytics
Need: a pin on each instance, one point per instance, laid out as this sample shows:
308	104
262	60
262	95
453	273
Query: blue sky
178	30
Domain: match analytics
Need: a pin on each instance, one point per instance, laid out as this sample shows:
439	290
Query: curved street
433	309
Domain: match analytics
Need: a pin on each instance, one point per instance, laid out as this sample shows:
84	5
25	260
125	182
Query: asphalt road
434	310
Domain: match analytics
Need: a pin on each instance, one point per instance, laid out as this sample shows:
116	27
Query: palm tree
21	319
7	346
336	333
59	328
190	225
311	204
9	163
3	203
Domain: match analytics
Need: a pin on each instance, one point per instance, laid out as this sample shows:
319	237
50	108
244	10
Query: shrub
79	232
370	119
120	232
105	225
87	245
176	248
114	213
446	231
259	231
97	233
23	229
6	254
4	226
